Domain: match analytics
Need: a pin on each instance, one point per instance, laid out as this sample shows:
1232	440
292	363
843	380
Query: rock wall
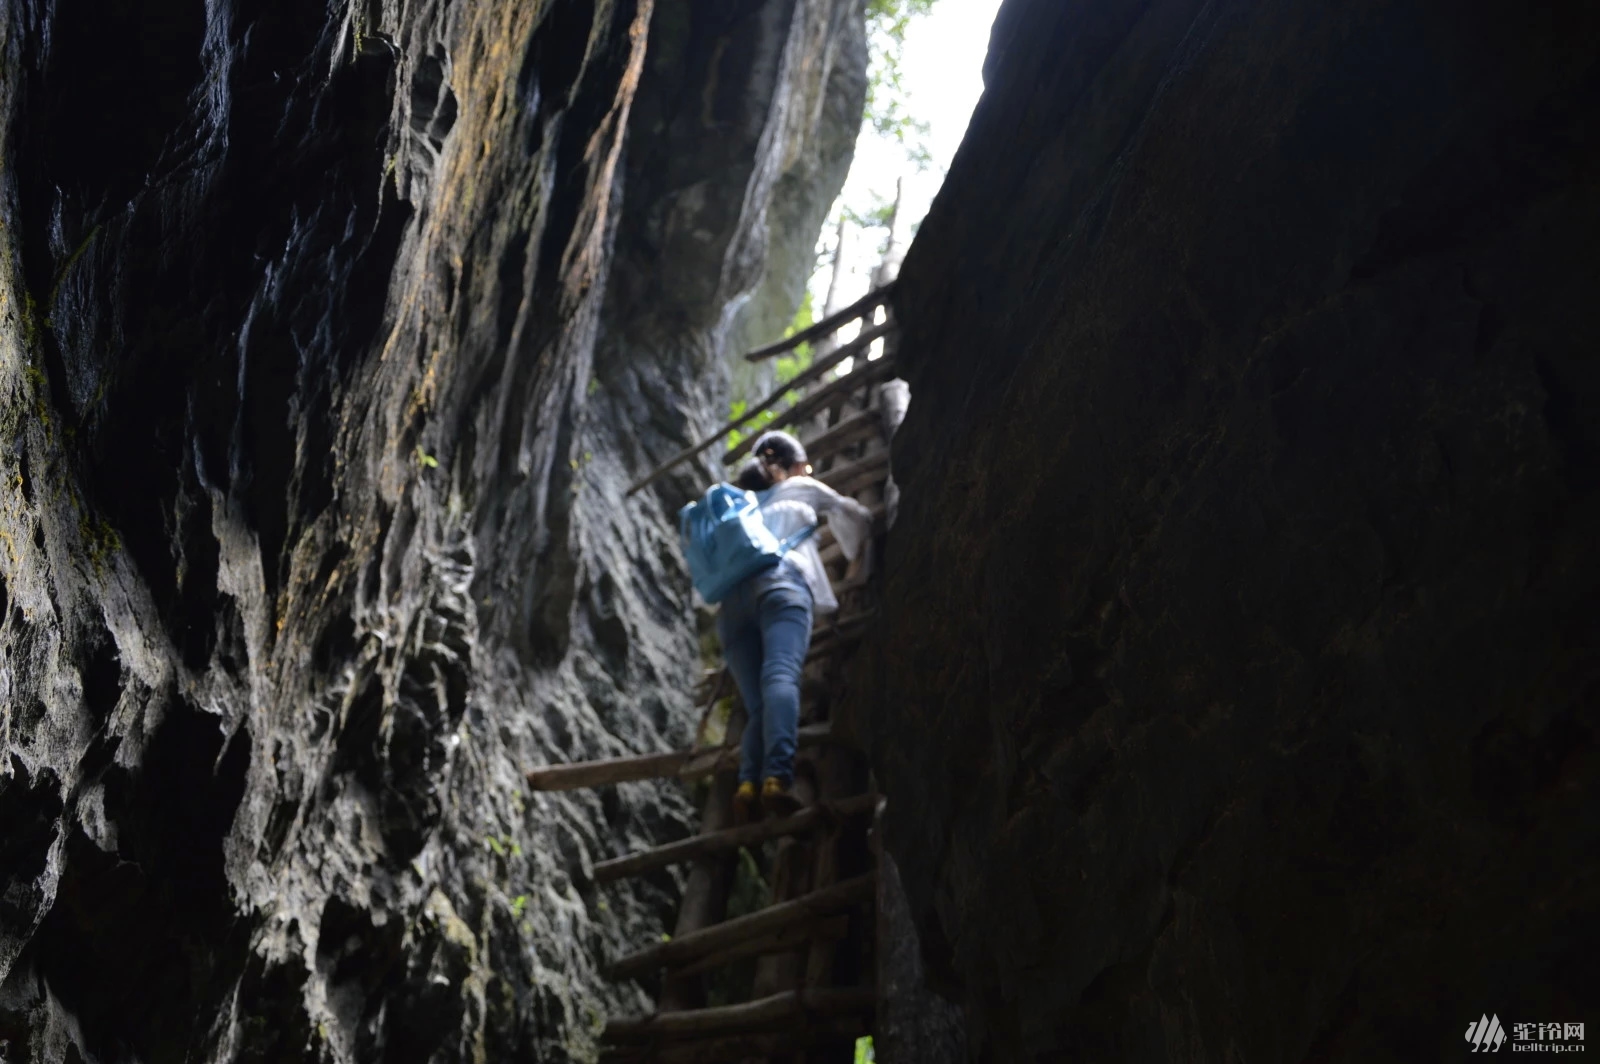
330	336
1238	689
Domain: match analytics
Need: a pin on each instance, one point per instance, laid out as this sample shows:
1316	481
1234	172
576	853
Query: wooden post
834	778
880	928
789	879
830	303
705	895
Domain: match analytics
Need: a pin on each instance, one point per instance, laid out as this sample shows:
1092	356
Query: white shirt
794	504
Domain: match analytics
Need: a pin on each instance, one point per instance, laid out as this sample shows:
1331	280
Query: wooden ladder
814	945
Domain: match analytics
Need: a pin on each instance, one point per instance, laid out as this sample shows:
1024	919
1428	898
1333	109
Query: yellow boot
777	798
744	802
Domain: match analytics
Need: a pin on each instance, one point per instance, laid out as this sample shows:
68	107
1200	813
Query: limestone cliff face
330	336
1237	699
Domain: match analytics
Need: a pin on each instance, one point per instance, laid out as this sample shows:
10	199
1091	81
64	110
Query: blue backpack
727	542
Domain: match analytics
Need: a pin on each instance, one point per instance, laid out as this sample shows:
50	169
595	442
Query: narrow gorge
1235	667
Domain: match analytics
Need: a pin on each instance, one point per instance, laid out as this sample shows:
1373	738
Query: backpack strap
795	540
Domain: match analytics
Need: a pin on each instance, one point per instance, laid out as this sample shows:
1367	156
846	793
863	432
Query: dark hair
753	477
780	449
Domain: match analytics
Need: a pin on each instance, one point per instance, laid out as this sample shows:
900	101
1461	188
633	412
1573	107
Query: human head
753	476
781	454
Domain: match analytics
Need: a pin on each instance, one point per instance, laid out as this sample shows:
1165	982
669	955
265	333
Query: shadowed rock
1236	695
329	339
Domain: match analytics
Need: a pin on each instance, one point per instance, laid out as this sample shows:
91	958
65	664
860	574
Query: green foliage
788	367
894	15
100	540
503	846
759	423
426	460
887	22
797	361
40	386
736	411
879	216
750	892
519	903
30	323
714	727
864	1054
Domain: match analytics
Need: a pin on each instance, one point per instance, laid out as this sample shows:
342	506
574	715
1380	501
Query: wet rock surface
330	338
1237	690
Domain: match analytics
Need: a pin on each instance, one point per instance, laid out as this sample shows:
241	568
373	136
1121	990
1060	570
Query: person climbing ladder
765	621
750	548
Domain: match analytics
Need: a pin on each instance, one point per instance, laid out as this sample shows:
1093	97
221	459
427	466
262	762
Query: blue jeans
765	628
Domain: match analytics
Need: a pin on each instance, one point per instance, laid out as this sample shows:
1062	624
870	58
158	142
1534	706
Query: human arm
850	521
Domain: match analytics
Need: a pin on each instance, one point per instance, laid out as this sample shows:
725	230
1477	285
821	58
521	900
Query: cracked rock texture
330	337
1237	691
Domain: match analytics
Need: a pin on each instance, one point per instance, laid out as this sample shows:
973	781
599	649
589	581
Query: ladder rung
831	624
806	377
730	838
821	648
787	1010
827	326
828	548
824	928
845	629
689	948
869	374
851	430
851	477
739	1047
684	764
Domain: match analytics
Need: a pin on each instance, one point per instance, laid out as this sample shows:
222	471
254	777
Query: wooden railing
816	388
